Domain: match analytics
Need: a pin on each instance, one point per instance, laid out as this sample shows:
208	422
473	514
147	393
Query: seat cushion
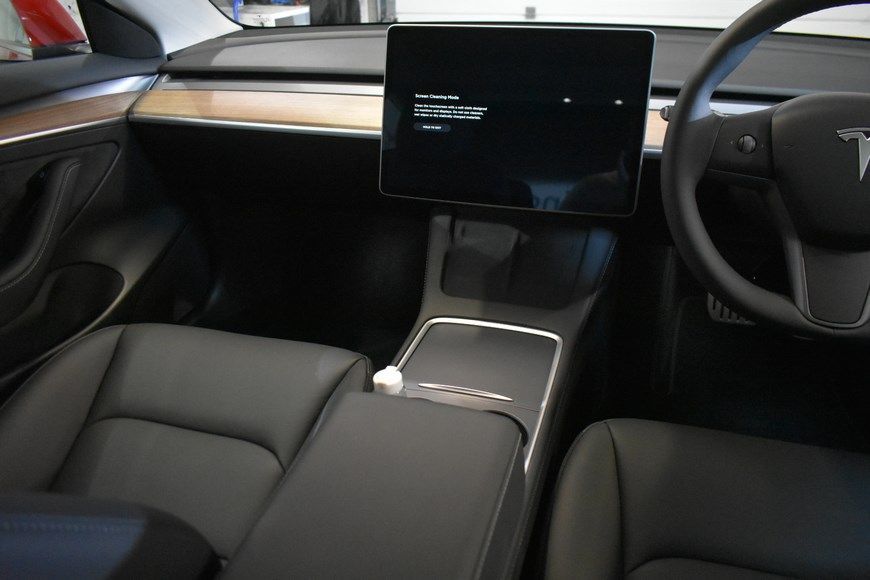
198	423
641	499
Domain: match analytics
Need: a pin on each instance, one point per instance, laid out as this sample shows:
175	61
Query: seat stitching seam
344	376
45	364
704	560
618	499
85	423
103	380
315	426
23	524
323	408
266	504
195	430
274	493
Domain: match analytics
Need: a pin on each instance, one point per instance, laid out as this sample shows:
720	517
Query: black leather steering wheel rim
687	150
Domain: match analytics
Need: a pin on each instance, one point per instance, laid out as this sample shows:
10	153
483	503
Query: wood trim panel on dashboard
317	110
65	117
352	112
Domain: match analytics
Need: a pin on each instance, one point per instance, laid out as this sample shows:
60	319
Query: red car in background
31	29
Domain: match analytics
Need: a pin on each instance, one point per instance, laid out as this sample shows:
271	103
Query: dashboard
329	81
782	66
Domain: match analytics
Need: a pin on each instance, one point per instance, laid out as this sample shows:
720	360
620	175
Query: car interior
434	299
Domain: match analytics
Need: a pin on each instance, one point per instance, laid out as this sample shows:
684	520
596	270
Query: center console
485	365
539	118
504	308
444	480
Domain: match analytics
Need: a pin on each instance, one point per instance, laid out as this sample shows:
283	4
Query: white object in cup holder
388	381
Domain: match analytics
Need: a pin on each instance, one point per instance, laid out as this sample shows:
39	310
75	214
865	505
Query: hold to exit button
432	127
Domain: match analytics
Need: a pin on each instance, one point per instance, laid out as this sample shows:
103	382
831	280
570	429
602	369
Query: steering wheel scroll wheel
808	157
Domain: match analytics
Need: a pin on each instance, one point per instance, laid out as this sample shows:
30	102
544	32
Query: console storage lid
391	487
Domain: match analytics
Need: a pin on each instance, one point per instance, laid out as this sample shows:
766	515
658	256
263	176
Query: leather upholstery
198	423
641	499
429	491
56	536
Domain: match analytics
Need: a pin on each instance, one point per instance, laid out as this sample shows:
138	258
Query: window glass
852	21
34	29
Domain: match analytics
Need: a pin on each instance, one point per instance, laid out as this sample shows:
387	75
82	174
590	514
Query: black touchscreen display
545	118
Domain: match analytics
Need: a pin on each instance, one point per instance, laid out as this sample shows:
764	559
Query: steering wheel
802	156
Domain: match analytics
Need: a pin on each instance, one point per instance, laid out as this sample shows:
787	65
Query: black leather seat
641	499
197	423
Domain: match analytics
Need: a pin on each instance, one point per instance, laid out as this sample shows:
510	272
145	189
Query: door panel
88	237
33	223
84	226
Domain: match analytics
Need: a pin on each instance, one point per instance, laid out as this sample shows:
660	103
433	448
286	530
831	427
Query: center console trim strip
464	391
557	355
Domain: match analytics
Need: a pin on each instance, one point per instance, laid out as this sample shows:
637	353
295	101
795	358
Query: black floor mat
758	382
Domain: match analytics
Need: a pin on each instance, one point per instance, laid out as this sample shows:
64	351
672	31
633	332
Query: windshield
849	21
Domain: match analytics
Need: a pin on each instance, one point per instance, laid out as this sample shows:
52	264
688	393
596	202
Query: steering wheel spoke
743	152
830	286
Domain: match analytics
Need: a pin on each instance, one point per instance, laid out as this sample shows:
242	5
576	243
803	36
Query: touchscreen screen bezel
621	29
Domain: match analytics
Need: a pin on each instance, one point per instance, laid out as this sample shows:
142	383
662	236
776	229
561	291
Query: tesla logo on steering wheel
862	136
